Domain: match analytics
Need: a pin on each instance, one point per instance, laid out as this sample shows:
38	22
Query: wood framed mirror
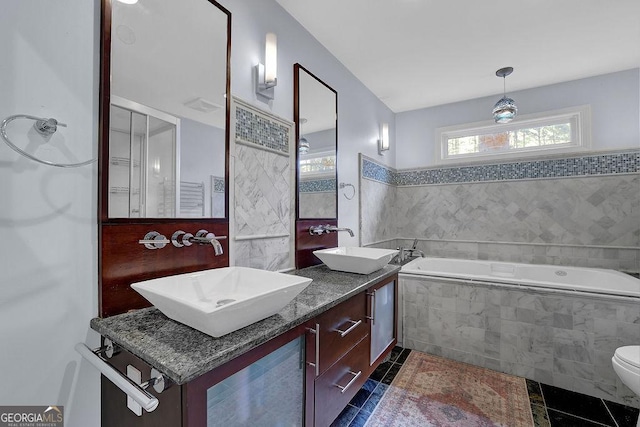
316	118
165	92
163	141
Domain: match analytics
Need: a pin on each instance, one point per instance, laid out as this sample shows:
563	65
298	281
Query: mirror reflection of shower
143	144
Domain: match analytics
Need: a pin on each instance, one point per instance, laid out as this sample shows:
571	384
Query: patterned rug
430	391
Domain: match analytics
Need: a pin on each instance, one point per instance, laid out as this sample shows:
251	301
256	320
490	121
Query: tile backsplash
590	219
263	183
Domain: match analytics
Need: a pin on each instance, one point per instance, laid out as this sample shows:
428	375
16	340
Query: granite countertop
183	353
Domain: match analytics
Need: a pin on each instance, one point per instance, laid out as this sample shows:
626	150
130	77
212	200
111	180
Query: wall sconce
383	142
267	72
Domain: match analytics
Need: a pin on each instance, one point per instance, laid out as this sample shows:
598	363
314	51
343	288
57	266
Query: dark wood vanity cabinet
337	351
341	357
307	375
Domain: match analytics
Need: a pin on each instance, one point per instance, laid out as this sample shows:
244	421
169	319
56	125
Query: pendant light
505	109
303	144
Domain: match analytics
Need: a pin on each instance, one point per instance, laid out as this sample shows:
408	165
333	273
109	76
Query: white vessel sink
222	300
355	259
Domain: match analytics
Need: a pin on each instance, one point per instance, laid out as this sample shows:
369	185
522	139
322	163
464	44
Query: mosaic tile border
256	127
318	186
601	164
218	184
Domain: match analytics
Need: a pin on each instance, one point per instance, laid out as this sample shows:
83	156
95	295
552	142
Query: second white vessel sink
355	259
222	300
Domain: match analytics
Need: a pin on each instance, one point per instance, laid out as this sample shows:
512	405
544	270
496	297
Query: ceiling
151	65
419	53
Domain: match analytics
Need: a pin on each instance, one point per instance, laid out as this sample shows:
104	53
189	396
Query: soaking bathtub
553	324
590	280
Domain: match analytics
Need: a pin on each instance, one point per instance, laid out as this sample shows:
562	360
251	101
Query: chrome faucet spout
204	238
334	228
325	229
217	247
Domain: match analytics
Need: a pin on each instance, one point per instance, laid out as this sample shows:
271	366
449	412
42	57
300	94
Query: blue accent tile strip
604	164
218	184
261	131
318	186
378	172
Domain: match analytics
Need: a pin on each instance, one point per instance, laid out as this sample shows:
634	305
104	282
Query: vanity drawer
341	328
337	386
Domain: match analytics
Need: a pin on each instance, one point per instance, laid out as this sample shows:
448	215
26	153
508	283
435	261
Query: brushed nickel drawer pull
373	306
316	365
351	328
355	377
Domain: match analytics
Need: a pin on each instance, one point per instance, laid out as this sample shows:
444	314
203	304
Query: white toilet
626	363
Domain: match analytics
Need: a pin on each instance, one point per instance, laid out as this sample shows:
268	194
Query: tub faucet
409	252
322	229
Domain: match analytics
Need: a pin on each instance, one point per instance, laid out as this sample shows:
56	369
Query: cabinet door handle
355	377
351	328
373	306
316	365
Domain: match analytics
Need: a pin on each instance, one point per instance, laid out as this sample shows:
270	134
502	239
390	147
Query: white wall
614	100
359	111
48	226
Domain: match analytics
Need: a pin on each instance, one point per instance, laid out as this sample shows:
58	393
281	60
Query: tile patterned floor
551	406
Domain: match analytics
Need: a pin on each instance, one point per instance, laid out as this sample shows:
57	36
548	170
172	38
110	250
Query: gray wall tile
559	339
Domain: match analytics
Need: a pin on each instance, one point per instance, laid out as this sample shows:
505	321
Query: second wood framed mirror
315	106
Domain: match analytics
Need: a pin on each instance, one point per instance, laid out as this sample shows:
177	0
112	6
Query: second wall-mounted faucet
318	230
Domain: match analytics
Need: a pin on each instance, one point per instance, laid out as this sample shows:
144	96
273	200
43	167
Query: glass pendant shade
505	110
303	146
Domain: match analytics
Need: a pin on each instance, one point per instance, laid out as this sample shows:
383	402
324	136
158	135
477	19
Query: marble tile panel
563	381
629	313
574	369
473	320
525	315
473	308
628	332
562	321
544	376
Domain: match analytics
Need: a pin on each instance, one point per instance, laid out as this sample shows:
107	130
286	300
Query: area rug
432	391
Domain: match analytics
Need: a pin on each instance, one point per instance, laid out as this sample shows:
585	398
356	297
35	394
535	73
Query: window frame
581	136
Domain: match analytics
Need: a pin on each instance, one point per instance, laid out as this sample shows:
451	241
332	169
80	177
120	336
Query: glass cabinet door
269	392
383	319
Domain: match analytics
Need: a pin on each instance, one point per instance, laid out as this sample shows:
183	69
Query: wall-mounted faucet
179	239
318	230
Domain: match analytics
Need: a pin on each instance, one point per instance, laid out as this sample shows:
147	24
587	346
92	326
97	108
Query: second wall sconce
267	79
383	142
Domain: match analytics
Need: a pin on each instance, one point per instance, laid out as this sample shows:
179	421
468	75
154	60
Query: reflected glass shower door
143	165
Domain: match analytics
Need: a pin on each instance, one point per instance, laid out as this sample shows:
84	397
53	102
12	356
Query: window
561	131
315	165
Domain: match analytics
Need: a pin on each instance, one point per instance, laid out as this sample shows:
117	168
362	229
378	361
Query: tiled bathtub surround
554	338
591	221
